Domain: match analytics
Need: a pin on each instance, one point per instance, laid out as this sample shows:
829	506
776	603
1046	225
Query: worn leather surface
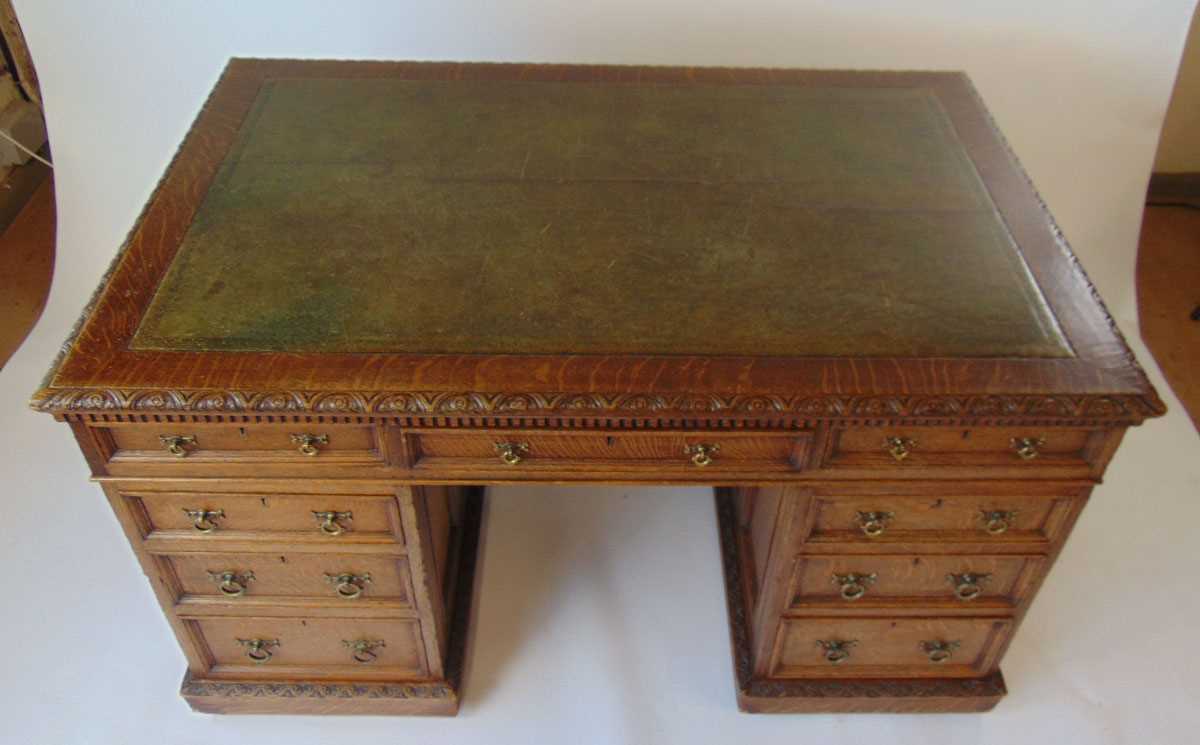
385	215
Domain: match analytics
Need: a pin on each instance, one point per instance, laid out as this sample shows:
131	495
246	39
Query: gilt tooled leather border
1052	408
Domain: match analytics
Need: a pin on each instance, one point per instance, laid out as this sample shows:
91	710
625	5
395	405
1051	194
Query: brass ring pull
1027	448
348	586
854	586
512	453
968	585
998	521
230	583
899	447
939	651
873	524
363	651
177	445
259	650
308	443
703	454
331	521
836	651
204	521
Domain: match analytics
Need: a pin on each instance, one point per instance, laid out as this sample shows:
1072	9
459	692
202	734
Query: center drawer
346	579
696	453
889	648
311	647
872	581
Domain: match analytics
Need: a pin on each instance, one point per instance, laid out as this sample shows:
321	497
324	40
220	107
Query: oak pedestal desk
364	290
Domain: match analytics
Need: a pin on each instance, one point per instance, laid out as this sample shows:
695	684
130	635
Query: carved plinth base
436	698
782	696
298	697
895	695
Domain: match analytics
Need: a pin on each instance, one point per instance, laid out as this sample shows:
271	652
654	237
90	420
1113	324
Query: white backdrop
601	617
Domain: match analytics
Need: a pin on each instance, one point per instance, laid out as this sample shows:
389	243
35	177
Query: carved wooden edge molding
268	689
739	625
1064	246
991	685
1118	408
124	252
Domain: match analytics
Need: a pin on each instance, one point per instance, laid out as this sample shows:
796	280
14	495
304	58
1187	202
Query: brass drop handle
362	651
204	521
854	586
1027	448
899	447
997	521
331	521
874	523
702	453
512	453
230	583
348	586
968	585
836	651
177	445
259	650
308	442
939	651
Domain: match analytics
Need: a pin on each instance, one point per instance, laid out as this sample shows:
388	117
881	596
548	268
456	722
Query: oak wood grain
294	575
404	441
284	516
311	648
101	372
908	580
886	648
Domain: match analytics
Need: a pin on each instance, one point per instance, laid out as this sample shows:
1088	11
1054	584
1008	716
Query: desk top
496	235
467	217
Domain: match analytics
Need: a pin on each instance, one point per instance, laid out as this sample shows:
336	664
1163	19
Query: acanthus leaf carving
878	406
340	403
1125	408
158	401
936	406
402	403
217	402
246	689
1053	406
283	401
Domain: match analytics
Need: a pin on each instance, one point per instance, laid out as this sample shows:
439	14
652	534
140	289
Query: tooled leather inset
433	217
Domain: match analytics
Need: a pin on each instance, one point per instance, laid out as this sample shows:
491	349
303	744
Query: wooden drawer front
697	453
913	450
288	517
316	647
348	580
904	519
876	647
129	447
928	581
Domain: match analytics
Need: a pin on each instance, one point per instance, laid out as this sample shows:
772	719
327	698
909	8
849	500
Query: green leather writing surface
386	215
